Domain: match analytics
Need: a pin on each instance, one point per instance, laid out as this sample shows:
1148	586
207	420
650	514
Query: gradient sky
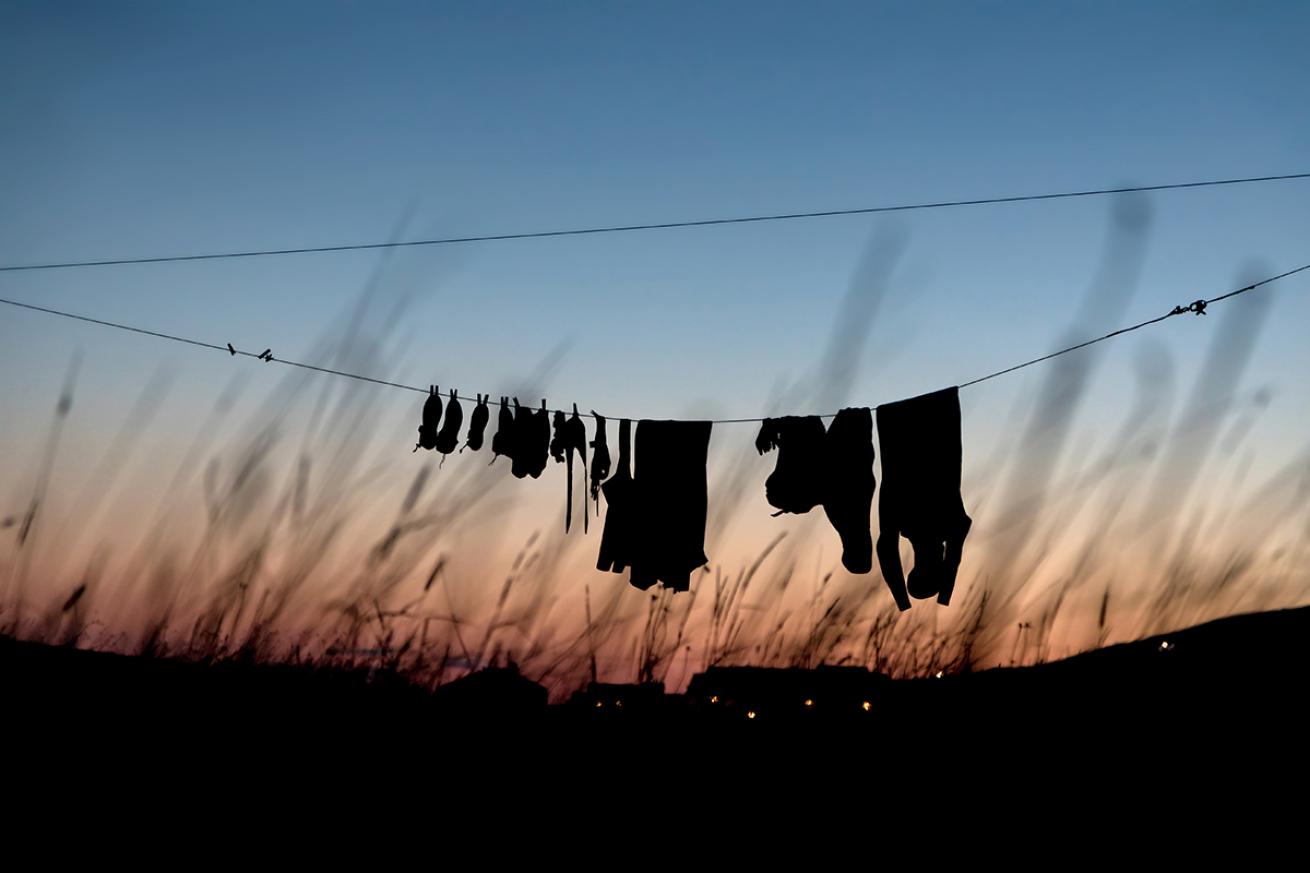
140	129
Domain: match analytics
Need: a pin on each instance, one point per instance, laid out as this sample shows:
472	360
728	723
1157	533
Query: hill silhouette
1236	676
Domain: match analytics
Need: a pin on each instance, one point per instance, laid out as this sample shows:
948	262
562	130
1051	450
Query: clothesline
1197	307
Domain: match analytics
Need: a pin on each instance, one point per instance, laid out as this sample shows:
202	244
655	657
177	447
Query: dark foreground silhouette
1237	677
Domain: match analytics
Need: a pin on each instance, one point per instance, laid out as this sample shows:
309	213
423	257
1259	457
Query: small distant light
714	698
808	703
619	704
750	714
599	704
1166	646
939	674
866	706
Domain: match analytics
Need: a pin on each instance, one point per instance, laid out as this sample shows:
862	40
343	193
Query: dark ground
1242	677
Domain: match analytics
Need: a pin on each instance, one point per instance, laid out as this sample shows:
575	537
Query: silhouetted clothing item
848	482
618	540
577	442
531	448
920	499
672	502
557	441
796	483
502	442
518	449
600	460
478	423
448	436
427	431
570	437
833	468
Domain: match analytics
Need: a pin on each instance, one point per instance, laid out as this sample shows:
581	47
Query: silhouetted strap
600	459
625	448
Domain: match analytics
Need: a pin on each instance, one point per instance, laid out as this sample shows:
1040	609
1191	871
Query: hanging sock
920	498
600	460
672	502
448	437
796	483
427	431
619	537
502	442
848	483
477	424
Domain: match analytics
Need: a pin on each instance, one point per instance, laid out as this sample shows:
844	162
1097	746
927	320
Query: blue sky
144	128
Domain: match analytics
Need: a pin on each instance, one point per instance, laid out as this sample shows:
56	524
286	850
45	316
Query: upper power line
704	222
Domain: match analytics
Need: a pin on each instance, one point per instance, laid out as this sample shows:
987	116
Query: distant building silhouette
638	699
494	690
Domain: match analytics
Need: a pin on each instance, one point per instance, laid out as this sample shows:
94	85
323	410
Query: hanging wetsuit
848	484
427	431
477	424
920	500
672	502
618	539
448	437
600	460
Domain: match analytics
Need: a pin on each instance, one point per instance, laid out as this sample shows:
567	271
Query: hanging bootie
448	436
795	485
477	424
427	431
502	442
520	441
538	441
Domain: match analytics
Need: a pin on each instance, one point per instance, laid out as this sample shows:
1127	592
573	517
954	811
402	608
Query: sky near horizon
141	129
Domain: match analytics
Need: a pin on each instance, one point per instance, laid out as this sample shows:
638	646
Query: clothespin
266	355
231	350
